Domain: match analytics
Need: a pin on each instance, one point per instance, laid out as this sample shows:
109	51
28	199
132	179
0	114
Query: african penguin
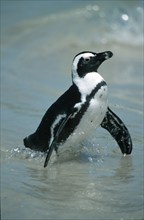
82	108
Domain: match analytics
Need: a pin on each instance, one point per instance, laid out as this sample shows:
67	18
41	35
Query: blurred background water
38	42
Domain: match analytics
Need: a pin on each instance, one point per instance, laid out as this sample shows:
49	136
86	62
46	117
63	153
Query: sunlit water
38	42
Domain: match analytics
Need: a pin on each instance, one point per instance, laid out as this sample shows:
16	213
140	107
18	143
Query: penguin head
87	62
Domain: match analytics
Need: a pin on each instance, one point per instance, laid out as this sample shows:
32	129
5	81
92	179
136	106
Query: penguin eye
86	60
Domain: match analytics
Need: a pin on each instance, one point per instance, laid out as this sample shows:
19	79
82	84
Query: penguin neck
88	83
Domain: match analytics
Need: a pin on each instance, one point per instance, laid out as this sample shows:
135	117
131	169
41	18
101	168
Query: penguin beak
104	56
101	57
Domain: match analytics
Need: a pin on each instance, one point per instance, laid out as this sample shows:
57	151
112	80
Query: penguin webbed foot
118	130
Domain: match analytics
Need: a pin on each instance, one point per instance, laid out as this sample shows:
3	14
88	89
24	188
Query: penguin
82	108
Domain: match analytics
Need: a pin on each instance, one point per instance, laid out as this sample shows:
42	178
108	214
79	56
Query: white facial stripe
75	63
77	58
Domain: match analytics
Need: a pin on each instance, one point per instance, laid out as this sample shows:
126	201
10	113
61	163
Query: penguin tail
35	143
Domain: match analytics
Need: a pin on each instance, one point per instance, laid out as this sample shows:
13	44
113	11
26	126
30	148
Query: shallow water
38	42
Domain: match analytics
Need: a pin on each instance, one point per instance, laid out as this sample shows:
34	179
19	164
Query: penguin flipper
118	130
54	142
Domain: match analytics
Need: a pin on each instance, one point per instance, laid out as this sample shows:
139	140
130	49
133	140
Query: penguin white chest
95	113
91	118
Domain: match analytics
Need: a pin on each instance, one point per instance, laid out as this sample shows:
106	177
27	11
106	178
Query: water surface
38	42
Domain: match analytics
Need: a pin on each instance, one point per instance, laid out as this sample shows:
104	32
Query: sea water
38	42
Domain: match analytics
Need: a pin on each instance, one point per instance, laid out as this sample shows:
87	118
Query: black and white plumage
82	108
